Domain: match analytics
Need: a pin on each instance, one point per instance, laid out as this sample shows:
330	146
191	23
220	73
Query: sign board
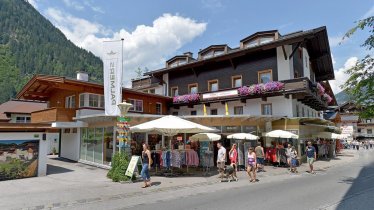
132	165
296	132
347	129
112	77
179	138
220	94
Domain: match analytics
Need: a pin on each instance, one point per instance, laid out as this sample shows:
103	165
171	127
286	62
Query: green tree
360	84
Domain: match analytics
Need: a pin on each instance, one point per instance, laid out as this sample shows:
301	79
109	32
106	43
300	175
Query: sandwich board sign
134	162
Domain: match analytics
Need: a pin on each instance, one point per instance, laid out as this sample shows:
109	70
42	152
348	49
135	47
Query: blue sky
157	30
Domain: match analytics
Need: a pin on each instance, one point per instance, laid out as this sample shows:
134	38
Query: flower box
261	88
188	98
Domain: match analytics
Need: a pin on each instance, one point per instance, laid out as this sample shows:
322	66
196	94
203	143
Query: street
349	186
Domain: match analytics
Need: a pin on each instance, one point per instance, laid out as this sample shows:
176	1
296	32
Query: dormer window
177	62
258	41
213	51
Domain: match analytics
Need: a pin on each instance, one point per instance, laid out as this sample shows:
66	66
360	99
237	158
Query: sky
157	30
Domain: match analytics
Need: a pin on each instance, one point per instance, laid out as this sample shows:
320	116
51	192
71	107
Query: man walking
311	155
221	159
259	150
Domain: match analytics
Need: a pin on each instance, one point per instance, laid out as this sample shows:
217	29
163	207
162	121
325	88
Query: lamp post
123	127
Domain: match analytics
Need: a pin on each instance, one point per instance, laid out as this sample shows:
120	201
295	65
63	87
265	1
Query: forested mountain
342	97
30	44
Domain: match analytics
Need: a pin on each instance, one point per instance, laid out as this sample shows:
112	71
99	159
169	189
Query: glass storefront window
108	145
98	149
90	144
83	148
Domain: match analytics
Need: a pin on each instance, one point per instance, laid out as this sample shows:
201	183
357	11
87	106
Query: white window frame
133	108
242	110
86	101
69	102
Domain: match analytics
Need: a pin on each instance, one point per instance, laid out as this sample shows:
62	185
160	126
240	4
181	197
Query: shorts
260	161
253	167
310	161
220	165
294	162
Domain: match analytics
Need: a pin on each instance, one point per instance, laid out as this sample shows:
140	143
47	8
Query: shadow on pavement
52	169
361	193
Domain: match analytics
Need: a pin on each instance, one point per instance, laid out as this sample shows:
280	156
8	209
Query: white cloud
73	4
335	40
94	8
34	3
341	76
146	46
212	4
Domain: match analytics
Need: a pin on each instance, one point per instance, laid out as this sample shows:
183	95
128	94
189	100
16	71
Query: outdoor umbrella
205	137
171	126
243	136
281	134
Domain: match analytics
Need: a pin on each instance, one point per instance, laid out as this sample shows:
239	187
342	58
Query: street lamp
124	108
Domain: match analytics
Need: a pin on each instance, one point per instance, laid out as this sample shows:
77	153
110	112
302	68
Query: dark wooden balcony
301	89
56	114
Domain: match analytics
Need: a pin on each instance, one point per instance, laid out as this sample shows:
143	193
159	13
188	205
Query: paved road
350	186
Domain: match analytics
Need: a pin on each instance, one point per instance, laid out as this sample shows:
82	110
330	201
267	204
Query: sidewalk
75	183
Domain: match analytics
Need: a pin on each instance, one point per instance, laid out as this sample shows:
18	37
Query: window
174	91
266	109
81	100
251	43
213	112
368	121
70	102
218	52
102	101
297	110
153	91
369	131
265	76
237	81
137	105
238	110
192	88
208	54
302	112
23	119
213	85
67	130
175	113
158	108
178	62
359	130
93	100
193	112
75	130
265	40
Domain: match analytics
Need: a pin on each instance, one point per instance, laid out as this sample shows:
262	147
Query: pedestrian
233	154
288	155
147	162
311	156
371	143
251	168
293	155
366	144
221	159
260	155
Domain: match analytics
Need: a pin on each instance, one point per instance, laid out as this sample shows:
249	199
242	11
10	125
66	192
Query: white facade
70	144
285	67
43	145
281	106
53	140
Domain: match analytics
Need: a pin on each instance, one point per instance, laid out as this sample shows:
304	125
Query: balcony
56	114
301	89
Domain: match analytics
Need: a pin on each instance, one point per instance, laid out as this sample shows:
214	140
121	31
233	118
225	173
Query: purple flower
260	88
321	89
188	98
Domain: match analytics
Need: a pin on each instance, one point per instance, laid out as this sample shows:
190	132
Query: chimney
189	54
82	76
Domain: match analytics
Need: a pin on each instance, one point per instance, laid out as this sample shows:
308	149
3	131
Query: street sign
133	165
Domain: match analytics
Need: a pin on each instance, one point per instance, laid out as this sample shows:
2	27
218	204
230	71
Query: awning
77	124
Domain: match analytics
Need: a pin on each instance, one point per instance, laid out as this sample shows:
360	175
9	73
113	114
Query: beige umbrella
243	136
205	137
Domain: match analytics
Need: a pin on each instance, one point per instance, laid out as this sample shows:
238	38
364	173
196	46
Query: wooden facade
55	90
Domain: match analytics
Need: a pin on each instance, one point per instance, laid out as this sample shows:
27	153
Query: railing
56	114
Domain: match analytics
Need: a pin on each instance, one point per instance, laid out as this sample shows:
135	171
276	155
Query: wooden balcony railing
56	114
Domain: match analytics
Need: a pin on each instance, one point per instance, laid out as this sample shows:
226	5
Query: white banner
112	77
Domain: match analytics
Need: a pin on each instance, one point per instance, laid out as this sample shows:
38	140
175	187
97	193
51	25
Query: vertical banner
112	76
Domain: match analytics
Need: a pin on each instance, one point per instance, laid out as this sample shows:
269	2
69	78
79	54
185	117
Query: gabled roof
315	40
258	34
19	107
213	47
40	87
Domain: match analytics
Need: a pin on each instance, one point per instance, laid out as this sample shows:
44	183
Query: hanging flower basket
327	97
188	98
321	89
261	88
